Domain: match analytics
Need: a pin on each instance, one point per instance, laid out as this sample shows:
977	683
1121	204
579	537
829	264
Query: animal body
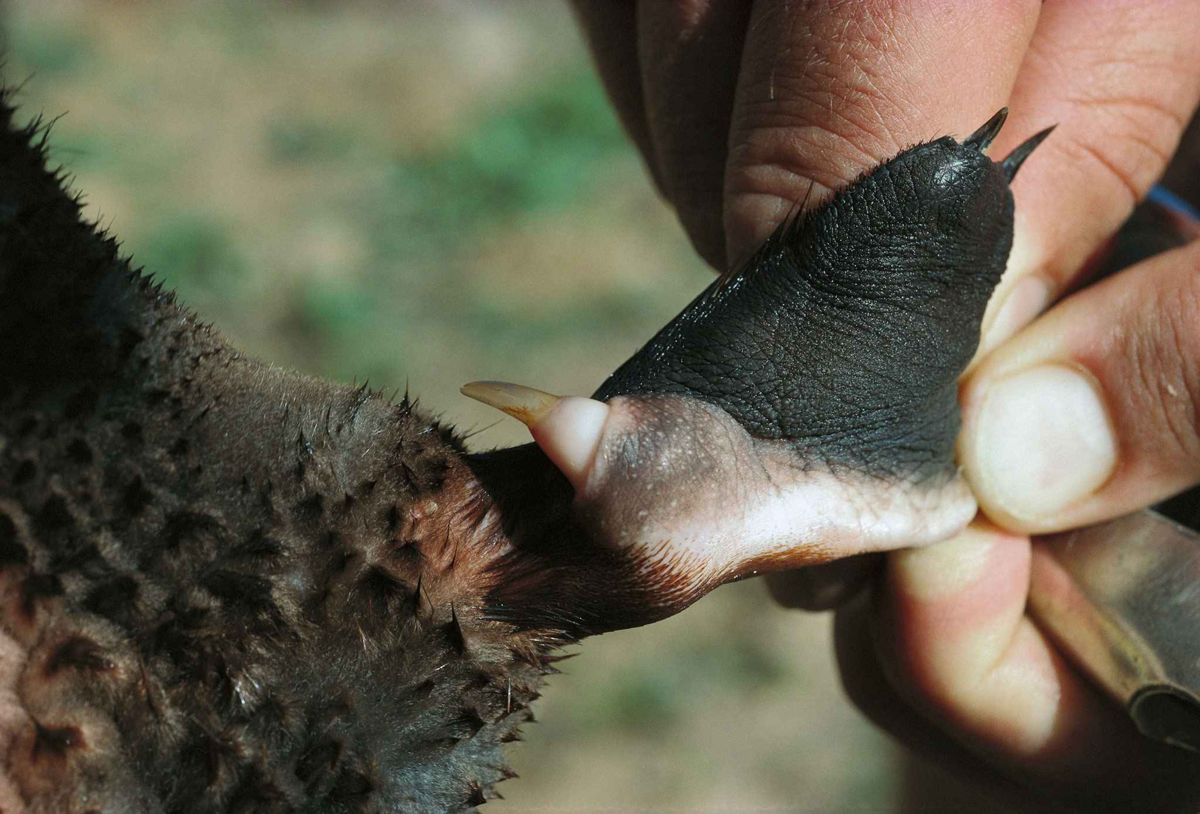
226	587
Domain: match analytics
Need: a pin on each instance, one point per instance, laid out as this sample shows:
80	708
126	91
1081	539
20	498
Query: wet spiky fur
226	587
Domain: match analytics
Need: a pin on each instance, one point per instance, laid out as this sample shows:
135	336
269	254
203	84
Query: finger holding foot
1122	103
946	659
804	407
1090	413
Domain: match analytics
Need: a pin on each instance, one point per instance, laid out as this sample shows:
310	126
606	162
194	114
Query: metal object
1122	599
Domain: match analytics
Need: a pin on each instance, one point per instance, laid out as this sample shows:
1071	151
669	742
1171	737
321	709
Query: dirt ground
426	194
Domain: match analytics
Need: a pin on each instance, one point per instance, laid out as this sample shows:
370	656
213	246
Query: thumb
1094	410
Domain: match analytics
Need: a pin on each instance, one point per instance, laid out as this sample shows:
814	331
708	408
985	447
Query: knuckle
835	112
1132	108
1165	369
1128	141
819	128
1106	161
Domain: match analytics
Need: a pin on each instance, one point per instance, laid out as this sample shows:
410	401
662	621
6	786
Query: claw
1017	157
525	404
981	139
566	428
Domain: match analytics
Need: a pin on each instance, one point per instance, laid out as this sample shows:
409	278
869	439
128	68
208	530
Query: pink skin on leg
677	482
569	433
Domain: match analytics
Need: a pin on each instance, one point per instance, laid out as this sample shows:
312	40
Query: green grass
48	50
195	252
534	153
301	141
274	162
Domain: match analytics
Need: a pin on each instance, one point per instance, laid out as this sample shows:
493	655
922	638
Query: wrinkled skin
738	108
804	407
227	587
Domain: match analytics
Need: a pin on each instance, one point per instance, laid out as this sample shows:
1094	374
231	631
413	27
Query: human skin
152	602
742	110
964	131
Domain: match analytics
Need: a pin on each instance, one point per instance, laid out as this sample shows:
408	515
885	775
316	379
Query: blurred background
425	194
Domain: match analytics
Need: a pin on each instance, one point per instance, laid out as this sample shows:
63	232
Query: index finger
829	90
1121	80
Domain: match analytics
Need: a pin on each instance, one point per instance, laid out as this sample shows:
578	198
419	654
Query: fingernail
947	568
1029	297
1042	440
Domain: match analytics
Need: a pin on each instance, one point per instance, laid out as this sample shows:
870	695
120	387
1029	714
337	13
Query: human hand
740	110
946	636
942	654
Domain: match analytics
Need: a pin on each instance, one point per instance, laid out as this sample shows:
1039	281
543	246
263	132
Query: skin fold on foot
228	587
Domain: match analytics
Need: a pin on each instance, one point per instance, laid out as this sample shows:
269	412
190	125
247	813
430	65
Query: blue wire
1169	200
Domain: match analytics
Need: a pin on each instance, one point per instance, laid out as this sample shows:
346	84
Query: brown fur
227	587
